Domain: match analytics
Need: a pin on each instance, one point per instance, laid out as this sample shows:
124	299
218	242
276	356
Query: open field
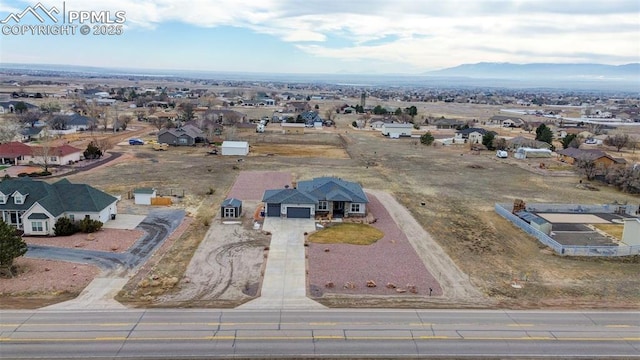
295	150
449	190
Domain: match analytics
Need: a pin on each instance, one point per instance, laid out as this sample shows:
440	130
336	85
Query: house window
36	226
323	205
18	199
355	208
72	217
3	199
53	158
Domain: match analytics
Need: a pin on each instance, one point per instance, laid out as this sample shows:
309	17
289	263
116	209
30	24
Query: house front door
338	208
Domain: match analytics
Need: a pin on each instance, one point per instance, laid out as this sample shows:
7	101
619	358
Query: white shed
143	196
235	148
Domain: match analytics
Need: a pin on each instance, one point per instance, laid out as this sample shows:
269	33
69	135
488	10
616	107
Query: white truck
502	154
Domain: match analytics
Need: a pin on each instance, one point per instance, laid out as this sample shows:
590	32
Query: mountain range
543	71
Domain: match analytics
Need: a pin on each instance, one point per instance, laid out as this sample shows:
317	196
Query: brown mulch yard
38	276
112	240
391	263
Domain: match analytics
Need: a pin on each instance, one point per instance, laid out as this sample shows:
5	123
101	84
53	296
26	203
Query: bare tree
618	141
102	143
231	118
124	121
330	114
30	118
187	112
9	129
365	119
158	122
587	167
44	152
140	114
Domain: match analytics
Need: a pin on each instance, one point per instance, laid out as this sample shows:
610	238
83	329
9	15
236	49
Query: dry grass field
449	190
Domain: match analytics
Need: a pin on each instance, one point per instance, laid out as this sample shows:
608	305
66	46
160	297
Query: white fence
565	250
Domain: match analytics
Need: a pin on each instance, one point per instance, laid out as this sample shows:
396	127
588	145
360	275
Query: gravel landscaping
391	264
250	185
112	240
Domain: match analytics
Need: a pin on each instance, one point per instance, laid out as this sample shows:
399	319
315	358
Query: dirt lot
448	190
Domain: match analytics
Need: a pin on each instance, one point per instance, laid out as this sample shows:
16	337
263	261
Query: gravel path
390	261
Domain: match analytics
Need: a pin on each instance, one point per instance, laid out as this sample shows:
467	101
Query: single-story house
31	133
231	208
187	135
35	206
235	148
166	115
631	231
470	135
599	157
9	107
225	116
321	196
506	121
17	153
80	122
143	196
293	128
448	123
396	130
521	141
377	125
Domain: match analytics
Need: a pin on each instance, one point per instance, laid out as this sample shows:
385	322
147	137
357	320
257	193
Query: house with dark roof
187	135
324	196
35	206
31	133
521	141
448	123
9	107
310	118
599	157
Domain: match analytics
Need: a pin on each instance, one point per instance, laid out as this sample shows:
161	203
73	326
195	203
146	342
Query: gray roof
288	196
56	198
334	189
189	130
398	125
146	190
231	202
472	130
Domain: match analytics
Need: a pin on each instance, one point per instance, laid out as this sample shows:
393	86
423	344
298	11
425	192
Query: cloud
417	33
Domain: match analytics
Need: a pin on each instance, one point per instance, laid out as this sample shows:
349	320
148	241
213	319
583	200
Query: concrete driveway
284	285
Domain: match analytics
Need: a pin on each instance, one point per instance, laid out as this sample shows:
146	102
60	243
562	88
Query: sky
327	36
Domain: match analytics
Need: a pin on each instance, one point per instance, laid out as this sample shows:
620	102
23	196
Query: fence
579	208
565	250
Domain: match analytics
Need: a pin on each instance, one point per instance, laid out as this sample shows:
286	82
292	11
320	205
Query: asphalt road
157	225
185	334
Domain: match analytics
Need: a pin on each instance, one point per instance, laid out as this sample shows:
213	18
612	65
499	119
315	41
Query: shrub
65	227
427	138
87	225
354	124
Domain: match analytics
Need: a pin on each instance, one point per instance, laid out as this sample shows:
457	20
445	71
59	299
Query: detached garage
240	148
143	196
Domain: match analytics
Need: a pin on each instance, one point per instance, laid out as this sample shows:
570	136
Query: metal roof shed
235	148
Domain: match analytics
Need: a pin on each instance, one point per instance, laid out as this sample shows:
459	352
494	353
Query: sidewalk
284	284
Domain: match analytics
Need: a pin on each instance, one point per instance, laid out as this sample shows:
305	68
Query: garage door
273	209
298	212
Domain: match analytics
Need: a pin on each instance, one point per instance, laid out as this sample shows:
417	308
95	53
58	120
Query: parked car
136	142
591	141
502	154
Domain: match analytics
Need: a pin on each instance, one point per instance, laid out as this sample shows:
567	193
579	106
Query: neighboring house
226	116
631	231
396	130
17	153
297	106
325	196
240	148
448	123
35	206
600	158
506	121
231	208
470	135
80	122
31	133
521	141
376	125
9	107
310	118
187	135
166	115
143	196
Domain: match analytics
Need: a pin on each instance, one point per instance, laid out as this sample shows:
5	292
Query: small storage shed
535	221
396	130
231	208
143	196
235	148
